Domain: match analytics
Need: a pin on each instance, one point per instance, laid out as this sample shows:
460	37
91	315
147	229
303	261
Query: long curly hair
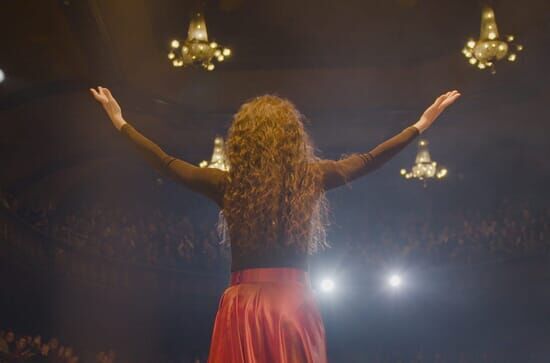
274	195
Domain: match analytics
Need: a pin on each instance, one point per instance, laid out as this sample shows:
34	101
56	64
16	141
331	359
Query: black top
211	183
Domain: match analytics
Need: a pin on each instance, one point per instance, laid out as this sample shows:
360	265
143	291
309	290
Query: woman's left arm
206	181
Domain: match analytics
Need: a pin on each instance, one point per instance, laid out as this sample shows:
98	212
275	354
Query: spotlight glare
395	281
2	76
327	285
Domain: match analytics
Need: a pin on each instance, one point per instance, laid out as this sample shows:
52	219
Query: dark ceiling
126	40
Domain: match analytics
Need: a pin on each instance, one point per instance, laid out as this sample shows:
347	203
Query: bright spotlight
395	281
2	76
327	285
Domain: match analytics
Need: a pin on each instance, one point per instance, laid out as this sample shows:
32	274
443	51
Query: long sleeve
337	173
206	181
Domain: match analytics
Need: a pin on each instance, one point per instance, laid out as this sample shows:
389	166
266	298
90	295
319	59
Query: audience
170	240
159	238
24	348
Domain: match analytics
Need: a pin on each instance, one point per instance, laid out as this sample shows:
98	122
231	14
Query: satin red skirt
268	315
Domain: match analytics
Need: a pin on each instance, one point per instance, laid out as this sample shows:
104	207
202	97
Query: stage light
327	285
395	281
2	76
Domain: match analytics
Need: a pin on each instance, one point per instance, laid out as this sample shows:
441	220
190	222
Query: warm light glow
218	155
424	167
489	47
196	49
197	28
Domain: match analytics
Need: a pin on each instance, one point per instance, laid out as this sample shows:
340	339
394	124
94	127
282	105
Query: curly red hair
274	195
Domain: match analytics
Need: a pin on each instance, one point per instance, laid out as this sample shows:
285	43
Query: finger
439	99
97	95
108	93
448	95
451	100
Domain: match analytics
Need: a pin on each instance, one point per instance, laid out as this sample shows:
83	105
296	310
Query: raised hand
110	105
432	112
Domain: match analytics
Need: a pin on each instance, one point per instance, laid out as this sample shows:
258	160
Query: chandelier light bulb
489	47
218	159
424	167
196	49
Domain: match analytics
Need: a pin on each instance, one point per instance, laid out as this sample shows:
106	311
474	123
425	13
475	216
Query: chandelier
218	157
196	49
484	52
424	168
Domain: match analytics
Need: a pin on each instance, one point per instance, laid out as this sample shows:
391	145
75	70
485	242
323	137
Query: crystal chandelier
424	168
484	52
196	49
218	157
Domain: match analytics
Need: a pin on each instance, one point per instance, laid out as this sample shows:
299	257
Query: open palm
435	109
110	105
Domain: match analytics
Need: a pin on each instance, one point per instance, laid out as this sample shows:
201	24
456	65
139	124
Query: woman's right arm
206	181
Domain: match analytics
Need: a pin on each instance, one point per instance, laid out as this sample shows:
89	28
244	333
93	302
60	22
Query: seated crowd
25	348
160	238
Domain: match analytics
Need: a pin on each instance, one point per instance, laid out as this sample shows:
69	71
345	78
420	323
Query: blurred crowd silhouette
161	238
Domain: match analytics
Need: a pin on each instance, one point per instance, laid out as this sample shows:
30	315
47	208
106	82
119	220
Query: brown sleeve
206	181
337	173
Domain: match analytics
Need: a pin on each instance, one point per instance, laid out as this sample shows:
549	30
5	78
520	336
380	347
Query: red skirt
268	315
